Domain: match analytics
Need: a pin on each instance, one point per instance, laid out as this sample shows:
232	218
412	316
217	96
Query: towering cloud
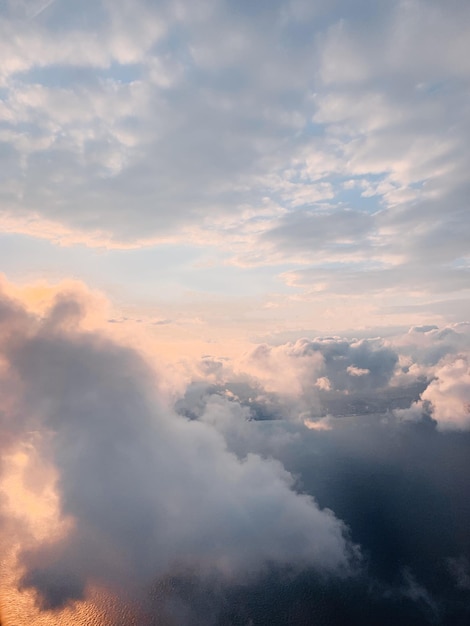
146	492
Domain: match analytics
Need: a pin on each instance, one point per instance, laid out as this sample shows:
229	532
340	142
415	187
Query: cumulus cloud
400	484
313	376
299	380
145	492
447	397
419	374
184	503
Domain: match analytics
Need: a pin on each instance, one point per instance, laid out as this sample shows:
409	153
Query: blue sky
287	152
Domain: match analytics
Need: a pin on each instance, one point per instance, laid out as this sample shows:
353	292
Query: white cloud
357	371
447	397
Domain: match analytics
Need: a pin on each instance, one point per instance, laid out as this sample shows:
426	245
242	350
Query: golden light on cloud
32	503
40	295
41	228
322	424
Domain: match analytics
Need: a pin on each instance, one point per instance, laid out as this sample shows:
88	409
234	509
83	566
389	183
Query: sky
234	312
302	162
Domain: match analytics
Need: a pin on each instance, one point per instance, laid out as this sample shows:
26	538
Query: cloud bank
146	492
318	479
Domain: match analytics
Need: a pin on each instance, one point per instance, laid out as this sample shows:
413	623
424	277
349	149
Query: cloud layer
146	492
324	136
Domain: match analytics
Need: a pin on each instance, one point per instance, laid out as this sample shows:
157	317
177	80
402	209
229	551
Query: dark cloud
399	485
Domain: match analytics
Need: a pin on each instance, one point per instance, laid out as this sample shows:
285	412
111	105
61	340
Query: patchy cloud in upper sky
325	135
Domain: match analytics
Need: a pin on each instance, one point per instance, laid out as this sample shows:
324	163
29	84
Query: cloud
339	233
183	122
310	375
312	148
419	374
400	485
185	503
447	397
145	492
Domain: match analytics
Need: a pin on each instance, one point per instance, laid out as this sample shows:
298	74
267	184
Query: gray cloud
148	492
402	488
420	374
176	118
336	232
